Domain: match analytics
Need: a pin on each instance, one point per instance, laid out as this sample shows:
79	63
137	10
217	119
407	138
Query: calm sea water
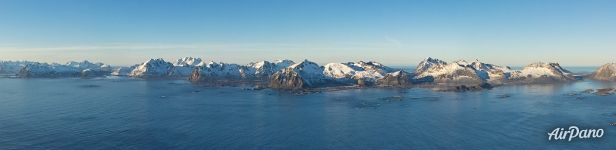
136	114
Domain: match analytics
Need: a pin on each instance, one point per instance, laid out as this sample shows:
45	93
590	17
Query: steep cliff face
287	79
396	79
606	72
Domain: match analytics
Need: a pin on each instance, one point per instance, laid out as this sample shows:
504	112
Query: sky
397	33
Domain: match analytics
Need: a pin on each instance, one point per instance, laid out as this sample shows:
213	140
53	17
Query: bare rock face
606	72
464	88
287	79
396	79
196	75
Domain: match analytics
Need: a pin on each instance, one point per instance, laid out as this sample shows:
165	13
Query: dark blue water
137	114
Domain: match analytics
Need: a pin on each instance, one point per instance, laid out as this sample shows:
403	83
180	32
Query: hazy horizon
395	33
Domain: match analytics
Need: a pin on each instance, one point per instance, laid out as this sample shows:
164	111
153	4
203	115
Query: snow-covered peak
49	70
365	71
261	69
217	72
284	62
428	63
460	71
308	69
462	63
373	66
299	75
84	65
70	69
541	72
396	73
259	64
480	66
339	70
264	69
153	68
544	69
187	61
211	63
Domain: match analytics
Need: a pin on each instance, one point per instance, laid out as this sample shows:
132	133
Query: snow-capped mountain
84	65
491	72
352	71
153	68
339	71
427	64
606	72
434	70
285	74
264	69
159	68
123	71
213	71
70	69
183	67
48	70
310	71
542	72
283	63
188	62
299	75
477	72
253	71
12	67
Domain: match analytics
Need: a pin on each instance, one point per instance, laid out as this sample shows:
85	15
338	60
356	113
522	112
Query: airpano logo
574	132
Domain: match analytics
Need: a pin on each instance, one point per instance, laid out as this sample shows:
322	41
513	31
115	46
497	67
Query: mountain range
287	74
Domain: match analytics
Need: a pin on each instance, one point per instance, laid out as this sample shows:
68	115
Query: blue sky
122	32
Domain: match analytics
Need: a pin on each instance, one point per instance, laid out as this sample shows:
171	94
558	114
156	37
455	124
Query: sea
125	113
